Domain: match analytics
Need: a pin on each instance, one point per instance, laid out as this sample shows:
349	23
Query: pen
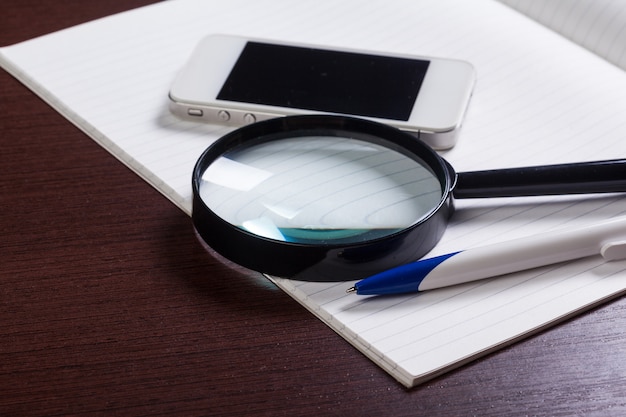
607	238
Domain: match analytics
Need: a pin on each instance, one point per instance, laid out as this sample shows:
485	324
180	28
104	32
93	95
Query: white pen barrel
525	253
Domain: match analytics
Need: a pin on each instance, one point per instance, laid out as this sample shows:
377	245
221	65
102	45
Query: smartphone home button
249	118
223	115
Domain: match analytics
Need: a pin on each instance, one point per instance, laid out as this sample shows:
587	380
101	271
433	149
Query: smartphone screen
322	80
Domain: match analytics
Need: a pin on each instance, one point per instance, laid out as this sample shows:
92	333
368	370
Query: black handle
579	178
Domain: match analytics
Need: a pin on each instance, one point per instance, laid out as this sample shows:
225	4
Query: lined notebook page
597	25
540	99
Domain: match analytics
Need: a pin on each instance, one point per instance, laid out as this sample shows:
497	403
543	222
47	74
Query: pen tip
351	289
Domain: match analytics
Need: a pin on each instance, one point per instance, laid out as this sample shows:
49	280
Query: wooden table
109	305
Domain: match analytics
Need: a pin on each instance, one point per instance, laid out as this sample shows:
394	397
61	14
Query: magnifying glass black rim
330	261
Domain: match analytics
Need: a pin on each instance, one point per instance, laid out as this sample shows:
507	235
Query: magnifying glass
333	198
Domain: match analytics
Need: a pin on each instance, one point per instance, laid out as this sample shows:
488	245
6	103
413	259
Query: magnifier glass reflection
331	198
314	189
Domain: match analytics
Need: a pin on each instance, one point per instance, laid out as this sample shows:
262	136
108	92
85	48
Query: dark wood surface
109	306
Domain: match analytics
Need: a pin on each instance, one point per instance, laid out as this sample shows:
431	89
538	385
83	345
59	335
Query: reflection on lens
319	189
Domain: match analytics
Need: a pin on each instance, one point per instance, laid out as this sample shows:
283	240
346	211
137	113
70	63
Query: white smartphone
236	81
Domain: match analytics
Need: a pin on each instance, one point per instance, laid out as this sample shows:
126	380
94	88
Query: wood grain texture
109	306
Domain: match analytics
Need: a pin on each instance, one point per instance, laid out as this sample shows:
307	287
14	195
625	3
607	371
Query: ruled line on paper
597	25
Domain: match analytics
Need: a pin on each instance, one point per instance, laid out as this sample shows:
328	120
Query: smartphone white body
236	81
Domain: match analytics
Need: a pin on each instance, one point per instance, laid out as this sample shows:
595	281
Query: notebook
540	98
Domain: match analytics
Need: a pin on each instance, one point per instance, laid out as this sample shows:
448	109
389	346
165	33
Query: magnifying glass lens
319	189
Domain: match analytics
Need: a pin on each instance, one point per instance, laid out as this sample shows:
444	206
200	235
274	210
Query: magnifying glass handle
578	178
